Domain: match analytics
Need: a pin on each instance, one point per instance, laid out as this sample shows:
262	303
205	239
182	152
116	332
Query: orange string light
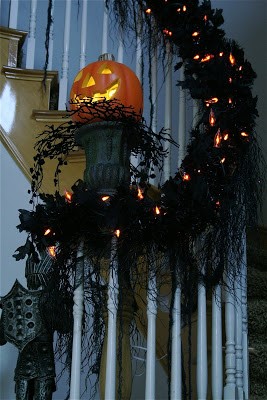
186	177
117	232
212	100
52	251
68	196
232	59
218	139
167	32
207	57
157	210
105	198
212	119
47	231
140	194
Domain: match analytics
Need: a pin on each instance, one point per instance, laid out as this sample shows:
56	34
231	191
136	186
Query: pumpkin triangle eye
88	81
104	70
78	76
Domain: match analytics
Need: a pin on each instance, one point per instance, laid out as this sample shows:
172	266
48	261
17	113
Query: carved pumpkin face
106	79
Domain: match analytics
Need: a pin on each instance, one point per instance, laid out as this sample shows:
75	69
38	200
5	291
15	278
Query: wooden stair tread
29	74
12	41
10	33
51	115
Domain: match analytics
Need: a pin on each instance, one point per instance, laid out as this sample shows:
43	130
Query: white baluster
151	337
195	112
202	359
31	37
168	110
154	88
83	35
13	14
238	338
51	40
78	308
244	319
176	367
217	363
182	121
139	55
138	71
63	84
105	30
120	52
230	392
110	383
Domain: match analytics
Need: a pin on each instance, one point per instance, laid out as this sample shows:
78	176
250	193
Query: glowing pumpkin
105	79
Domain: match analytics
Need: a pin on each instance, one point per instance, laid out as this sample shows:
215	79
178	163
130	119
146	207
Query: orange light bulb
207	57
105	198
157	210
232	59
140	194
212	119
68	196
218	139
186	177
52	251
117	233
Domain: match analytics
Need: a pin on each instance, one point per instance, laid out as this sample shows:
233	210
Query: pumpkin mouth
108	94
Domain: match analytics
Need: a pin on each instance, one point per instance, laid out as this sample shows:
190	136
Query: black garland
47	39
198	217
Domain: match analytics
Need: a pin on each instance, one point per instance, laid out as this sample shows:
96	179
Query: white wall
246	22
14	188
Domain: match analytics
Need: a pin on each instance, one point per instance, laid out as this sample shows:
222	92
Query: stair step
29	74
29	82
11	42
50	116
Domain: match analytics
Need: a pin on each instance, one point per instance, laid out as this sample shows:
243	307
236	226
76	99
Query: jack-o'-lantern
105	79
